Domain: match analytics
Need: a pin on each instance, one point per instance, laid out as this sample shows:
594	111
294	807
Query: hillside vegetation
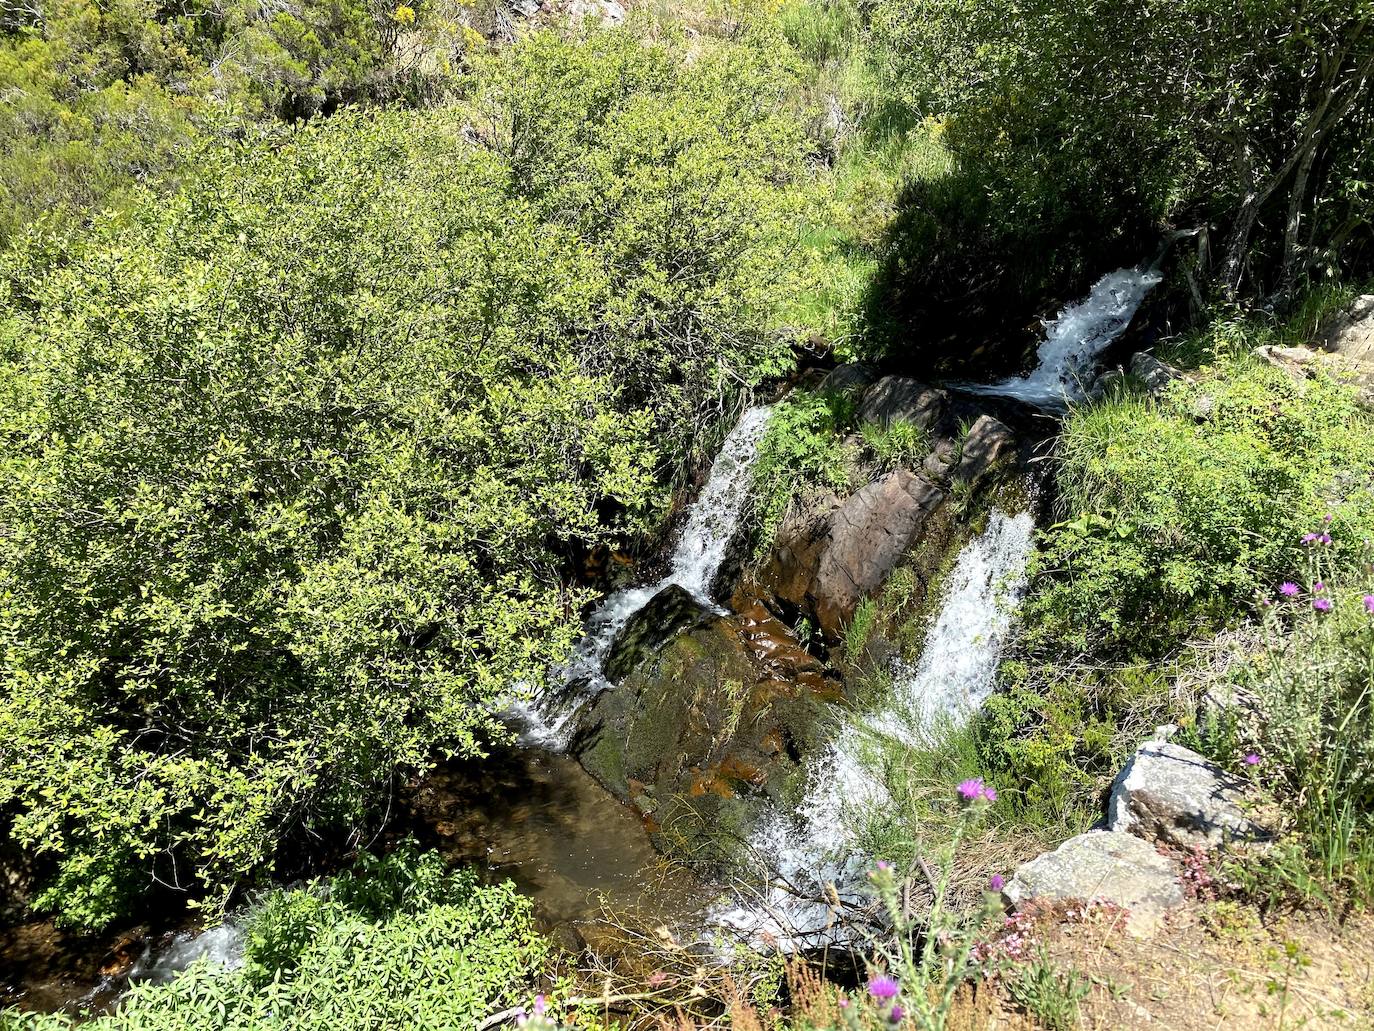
343	343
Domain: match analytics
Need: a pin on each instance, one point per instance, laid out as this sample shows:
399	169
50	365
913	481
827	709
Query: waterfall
957	668
711	525
1074	339
953	677
221	947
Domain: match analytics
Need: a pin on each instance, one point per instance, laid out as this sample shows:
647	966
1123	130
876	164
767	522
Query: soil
1215	965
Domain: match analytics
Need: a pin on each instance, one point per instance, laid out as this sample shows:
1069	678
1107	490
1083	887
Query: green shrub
1179	511
292	458
1049	994
1313	740
801	450
451	956
896	443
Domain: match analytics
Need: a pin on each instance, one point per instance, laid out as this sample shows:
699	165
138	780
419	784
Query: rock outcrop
706	723
825	563
830	553
897	398
1170	794
1350	332
1106	866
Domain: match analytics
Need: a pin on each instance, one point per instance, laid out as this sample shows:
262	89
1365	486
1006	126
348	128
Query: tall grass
1313	683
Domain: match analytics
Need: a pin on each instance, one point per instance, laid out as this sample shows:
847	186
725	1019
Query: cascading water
1074	339
953	678
221	947
712	522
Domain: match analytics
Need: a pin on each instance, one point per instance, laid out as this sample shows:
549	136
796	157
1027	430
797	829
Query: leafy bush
1150	129
801	450
1178	512
293	457
896	443
454	953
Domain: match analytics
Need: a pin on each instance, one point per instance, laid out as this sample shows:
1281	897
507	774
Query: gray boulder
851	378
897	398
1108	866
988	443
1155	374
1351	332
1170	794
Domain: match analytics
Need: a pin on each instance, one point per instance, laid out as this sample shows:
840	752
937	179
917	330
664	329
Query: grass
1049	994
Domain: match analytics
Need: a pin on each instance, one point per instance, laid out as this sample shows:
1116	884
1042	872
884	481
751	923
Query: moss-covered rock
705	726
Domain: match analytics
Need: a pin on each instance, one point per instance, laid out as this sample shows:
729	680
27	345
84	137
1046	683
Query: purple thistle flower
883	866
1322	604
1369	604
1309	538
539	1005
1289	589
990	793
1325	538
1252	759
844	1003
972	789
896	1014
995	882
1319	587
1328	518
882	987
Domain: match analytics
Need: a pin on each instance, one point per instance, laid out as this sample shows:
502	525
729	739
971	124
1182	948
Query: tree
1251	116
294	457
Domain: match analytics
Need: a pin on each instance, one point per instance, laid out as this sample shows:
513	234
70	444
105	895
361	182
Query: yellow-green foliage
1180	510
98	98
291	456
399	944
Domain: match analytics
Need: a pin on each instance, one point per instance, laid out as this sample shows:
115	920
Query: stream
531	813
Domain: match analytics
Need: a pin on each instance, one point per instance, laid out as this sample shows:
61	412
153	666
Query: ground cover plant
399	942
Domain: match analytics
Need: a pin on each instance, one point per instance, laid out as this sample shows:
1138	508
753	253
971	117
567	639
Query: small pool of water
540	819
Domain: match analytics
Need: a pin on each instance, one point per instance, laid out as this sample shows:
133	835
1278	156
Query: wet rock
988	443
672	611
706	726
1109	866
897	398
1155	374
867	537
1170	794
853	377
1351	332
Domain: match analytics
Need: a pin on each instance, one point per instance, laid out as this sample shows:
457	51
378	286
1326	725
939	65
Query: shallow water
540	819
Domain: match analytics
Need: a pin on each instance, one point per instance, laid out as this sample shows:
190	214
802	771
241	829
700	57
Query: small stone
1109	866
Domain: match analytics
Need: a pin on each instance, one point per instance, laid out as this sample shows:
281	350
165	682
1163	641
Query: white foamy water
220	946
953	677
710	528
1074	339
